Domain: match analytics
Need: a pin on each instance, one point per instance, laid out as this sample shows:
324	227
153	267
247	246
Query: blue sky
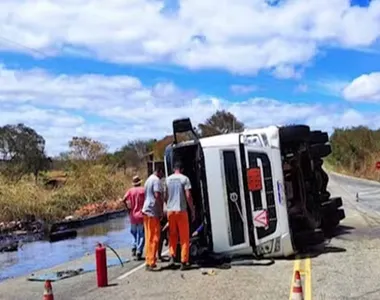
84	68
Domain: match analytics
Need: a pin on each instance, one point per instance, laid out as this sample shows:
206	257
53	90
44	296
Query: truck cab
260	191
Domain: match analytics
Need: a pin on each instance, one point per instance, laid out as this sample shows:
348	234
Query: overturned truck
261	191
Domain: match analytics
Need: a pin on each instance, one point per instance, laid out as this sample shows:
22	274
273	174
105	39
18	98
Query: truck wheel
332	205
331	220
318	137
338	202
341	214
319	150
294	133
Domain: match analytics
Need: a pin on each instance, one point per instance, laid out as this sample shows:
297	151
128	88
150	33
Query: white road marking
135	269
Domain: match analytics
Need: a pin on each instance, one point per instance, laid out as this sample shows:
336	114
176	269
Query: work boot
138	256
163	259
185	266
150	267
171	262
133	252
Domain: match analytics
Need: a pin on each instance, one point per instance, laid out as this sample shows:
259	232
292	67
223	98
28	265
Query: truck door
259	193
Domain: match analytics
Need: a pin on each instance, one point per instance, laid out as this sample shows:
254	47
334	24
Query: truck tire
331	220
338	201
294	133
320	150
318	137
332	205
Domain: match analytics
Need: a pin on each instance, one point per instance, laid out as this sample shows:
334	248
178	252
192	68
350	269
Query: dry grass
88	184
366	170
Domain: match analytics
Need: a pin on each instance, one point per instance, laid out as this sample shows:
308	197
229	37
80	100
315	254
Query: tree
141	147
220	122
127	157
353	147
86	149
22	151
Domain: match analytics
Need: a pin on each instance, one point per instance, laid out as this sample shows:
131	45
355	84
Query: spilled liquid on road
42	254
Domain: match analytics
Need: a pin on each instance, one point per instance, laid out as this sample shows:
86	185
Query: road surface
348	267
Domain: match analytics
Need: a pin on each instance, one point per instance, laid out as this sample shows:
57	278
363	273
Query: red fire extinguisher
101	265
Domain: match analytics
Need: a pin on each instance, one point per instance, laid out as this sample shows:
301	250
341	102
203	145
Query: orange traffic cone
48	293
297	293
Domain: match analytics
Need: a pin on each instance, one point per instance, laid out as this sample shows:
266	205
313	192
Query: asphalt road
366	191
347	267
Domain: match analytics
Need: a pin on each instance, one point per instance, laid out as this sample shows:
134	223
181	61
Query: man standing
153	211
178	198
134	201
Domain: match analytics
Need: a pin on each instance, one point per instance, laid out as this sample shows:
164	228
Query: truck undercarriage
313	215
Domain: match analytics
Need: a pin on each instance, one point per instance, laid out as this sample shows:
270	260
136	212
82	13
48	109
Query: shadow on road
324	248
319	250
224	263
340	230
250	263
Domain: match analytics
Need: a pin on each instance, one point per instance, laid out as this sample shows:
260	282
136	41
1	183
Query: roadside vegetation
355	151
87	179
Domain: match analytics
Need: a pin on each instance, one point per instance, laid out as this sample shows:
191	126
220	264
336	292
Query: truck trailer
261	191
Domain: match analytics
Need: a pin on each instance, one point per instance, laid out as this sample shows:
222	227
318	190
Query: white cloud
331	86
240	89
116	109
286	72
242	36
346	118
302	88
364	88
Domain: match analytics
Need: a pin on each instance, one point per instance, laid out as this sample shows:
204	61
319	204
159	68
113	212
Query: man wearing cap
134	201
153	212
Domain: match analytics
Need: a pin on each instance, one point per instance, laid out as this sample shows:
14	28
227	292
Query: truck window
169	160
253	158
232	186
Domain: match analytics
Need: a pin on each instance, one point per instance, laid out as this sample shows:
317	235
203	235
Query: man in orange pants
178	197
153	212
